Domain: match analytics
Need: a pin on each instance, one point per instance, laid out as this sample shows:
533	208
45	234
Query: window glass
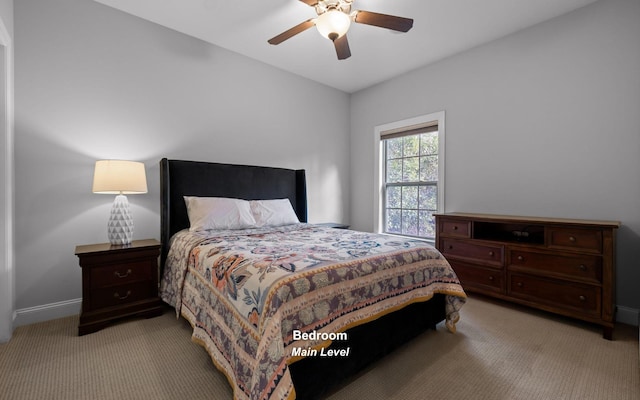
411	183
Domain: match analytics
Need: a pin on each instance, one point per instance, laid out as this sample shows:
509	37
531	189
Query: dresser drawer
122	294
484	279
120	274
576	238
457	228
473	251
557	294
586	268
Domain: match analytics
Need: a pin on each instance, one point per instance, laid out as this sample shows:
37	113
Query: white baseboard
46	312
628	315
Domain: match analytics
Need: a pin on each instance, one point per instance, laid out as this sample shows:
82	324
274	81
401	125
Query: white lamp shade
119	177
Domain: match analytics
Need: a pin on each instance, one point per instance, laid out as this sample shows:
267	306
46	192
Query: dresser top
545	220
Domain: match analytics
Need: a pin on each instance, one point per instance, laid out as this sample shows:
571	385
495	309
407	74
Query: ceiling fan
334	19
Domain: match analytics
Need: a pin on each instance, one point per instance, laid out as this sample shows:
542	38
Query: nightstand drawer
123	294
576	238
120	274
585	267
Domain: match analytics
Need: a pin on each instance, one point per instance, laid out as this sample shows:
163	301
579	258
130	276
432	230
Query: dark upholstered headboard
180	178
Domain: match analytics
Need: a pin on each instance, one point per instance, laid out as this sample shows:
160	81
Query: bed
288	309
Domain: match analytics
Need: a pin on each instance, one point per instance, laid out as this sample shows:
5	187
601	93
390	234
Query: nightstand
117	282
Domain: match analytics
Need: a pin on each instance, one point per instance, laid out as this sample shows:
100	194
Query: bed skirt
316	377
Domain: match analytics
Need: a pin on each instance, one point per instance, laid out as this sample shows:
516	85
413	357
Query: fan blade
384	21
342	47
301	27
311	3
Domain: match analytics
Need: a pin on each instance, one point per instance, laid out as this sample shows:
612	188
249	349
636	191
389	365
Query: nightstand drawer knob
491	253
520	258
117	295
455	227
582	298
572	238
582	267
491	278
119	275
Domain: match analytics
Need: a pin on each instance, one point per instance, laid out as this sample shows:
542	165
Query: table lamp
121	178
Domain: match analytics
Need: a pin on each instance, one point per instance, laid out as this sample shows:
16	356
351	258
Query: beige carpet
500	352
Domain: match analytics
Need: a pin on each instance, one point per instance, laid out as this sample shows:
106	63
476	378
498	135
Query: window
411	187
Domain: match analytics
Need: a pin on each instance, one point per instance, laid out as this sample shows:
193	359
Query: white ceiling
441	28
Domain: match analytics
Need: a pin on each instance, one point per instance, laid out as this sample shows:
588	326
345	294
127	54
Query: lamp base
120	227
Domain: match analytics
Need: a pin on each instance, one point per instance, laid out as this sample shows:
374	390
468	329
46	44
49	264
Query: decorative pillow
218	213
273	212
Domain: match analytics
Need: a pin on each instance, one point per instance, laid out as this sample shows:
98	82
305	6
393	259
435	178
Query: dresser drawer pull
455	227
119	275
582	267
450	247
520	284
582	298
572	239
491	278
117	295
520	258
491	253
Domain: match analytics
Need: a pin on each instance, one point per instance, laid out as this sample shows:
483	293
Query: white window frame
379	167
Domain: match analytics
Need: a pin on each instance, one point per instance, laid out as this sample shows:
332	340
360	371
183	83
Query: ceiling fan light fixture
334	19
333	24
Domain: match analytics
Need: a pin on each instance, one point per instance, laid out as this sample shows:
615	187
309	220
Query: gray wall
545	122
93	83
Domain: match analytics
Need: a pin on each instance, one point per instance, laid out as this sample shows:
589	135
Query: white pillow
218	213
273	212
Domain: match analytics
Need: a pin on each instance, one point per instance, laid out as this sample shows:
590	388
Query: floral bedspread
247	293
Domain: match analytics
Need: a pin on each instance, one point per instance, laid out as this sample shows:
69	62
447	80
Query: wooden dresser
563	266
